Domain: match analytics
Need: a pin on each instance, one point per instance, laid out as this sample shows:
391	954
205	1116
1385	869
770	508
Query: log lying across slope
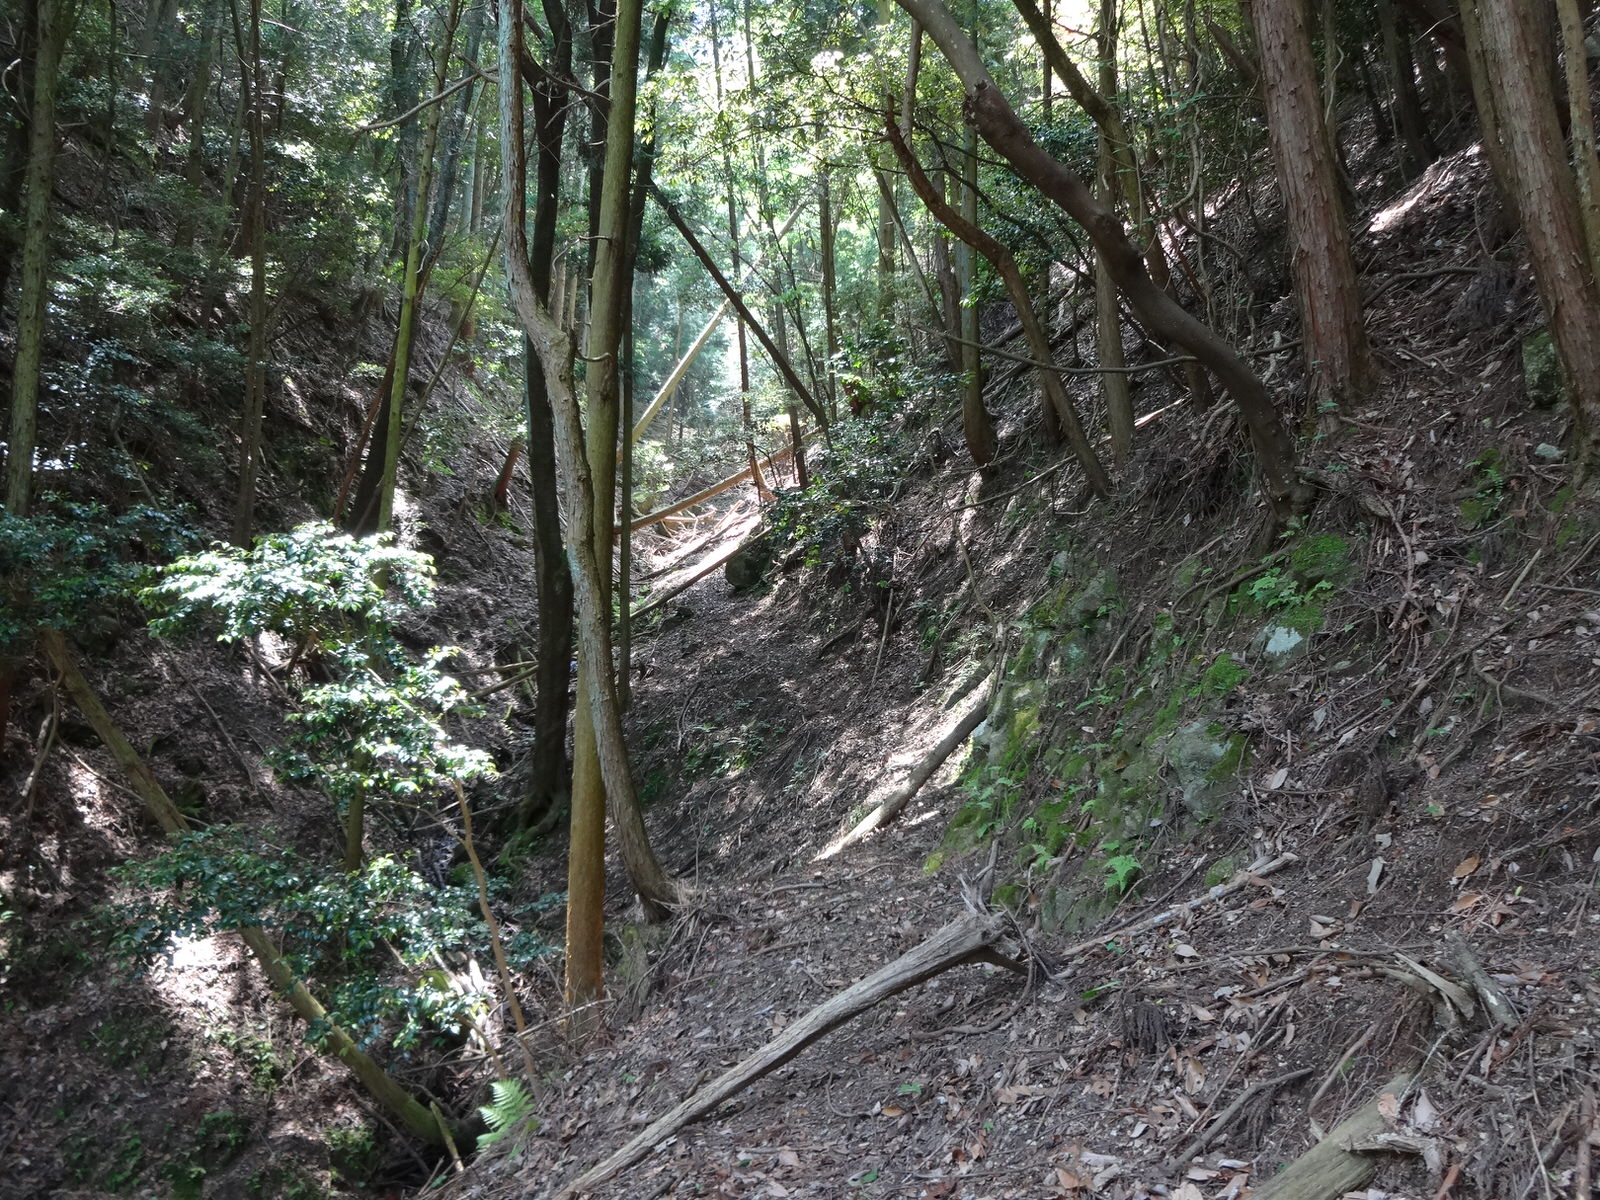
970	938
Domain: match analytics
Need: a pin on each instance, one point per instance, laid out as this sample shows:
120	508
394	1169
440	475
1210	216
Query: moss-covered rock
1541	370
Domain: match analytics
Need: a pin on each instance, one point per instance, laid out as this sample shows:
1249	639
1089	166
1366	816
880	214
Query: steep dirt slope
1395	704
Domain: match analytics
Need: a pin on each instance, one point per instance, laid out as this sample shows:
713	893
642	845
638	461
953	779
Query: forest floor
1428	757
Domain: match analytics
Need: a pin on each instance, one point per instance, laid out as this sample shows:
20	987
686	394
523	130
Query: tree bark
250	427
1337	358
1114	386
549	780
1162	316
1586	166
414	277
658	893
1016	287
1517	58
53	25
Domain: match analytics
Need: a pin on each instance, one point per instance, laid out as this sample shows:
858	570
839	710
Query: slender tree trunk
244	512
53	26
1114	385
403	93
548	776
411	294
1329	297
196	104
1164	317
20	52
827	236
1586	166
595	782
1517	59
1417	149
968	230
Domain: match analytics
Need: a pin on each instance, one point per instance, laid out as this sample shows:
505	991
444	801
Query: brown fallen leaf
1466	867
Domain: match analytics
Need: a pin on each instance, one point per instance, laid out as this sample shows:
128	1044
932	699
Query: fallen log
895	803
1331	1168
969	938
701	569
716	489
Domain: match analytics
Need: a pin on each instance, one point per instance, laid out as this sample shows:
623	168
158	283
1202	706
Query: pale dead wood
1245	878
969	938
698	572
1330	1168
716	489
895	803
1491	993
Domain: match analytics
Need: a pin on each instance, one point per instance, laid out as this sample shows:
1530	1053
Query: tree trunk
411	294
1586	166
827	235
1329	297
548	777
53	26
1417	148
1163	316
1516	57
977	427
600	760
250	429
1114	385
1016	287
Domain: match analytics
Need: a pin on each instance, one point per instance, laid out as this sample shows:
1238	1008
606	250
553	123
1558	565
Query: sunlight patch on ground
197	976
1425	188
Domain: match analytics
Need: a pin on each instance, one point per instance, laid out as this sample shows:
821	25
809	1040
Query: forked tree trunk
1517	58
1335	351
1161	314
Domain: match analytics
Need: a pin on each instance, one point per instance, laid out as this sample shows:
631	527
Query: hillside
964	831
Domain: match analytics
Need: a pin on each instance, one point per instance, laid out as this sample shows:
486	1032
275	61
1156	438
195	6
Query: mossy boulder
749	564
1541	370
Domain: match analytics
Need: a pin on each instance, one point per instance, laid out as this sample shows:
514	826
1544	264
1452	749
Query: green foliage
1489	495
70	564
370	734
1224	674
867	463
509	1110
1121	871
369	939
1277	588
311	584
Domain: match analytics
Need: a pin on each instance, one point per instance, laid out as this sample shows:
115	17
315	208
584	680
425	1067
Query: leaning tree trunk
1016	287
52	27
548	777
1335	346
1162	315
1516	56
601	770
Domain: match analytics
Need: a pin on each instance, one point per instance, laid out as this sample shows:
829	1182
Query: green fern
510	1109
